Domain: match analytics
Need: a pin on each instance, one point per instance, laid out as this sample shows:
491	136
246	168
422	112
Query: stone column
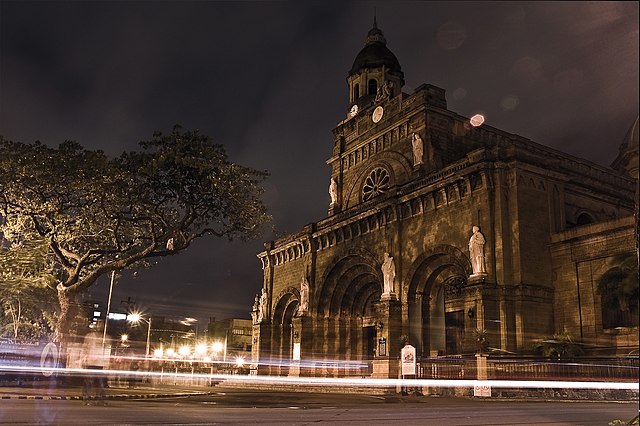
302	342
261	349
389	328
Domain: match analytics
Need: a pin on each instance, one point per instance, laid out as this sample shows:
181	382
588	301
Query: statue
388	273
476	252
255	310
263	305
333	191
418	149
304	296
388	88
384	91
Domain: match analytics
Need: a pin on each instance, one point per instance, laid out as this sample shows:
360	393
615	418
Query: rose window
376	183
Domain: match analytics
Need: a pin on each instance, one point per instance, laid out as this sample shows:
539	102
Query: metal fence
578	369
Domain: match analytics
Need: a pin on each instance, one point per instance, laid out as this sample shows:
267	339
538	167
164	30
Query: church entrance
454	331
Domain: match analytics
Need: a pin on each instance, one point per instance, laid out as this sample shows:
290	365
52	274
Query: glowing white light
135	317
477	120
239	361
170	352
124	337
201	348
207	359
216	347
158	353
184	350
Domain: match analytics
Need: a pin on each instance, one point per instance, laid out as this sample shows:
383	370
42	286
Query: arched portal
345	317
436	325
284	310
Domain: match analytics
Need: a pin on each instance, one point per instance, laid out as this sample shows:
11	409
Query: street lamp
135	318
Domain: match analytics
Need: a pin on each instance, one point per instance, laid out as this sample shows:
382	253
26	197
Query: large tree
100	214
28	291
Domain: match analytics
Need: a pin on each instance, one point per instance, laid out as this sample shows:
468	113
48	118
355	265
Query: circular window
376	183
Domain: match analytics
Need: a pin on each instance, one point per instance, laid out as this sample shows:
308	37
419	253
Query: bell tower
375	74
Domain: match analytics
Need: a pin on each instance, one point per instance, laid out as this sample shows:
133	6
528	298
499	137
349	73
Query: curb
107	397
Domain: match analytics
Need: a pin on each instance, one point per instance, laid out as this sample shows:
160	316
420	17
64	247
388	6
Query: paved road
280	408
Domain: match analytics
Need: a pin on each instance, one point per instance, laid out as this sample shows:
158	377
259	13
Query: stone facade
527	199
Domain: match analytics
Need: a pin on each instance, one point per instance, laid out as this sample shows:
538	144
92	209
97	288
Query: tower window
373	86
585	219
356	91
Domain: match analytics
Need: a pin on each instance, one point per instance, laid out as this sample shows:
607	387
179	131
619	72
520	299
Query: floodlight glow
135	317
124	337
201	348
239	361
184	350
158	353
171	352
216	347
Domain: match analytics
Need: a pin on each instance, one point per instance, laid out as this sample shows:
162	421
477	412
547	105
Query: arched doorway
345	317
283	313
436	313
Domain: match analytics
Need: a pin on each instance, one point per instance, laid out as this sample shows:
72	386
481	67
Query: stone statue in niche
333	191
384	92
256	309
304	297
388	274
418	149
476	252
262	307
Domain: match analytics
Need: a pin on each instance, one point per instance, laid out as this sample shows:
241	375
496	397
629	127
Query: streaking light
341	382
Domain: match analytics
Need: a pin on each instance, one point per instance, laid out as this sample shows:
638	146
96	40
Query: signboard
296	351
482	390
382	347
408	357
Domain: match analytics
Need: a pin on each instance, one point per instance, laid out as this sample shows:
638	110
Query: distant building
439	226
237	333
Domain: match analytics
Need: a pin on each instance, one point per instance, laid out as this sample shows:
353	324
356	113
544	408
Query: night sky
268	81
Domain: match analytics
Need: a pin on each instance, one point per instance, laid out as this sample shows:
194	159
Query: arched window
373	87
585	219
618	289
356	91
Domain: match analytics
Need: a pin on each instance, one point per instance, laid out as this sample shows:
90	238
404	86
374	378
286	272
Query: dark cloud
267	79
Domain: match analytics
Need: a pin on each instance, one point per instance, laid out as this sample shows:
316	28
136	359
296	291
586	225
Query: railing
580	369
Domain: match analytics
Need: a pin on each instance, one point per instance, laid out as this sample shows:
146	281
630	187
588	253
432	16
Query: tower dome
376	74
627	160
375	54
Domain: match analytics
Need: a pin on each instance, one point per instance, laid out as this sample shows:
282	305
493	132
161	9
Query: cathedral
441	229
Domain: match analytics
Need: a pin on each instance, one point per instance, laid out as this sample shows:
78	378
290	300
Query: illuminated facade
411	178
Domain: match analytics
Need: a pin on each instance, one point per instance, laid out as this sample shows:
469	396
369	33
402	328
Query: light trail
333	381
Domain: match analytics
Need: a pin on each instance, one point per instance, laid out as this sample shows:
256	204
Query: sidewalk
51	391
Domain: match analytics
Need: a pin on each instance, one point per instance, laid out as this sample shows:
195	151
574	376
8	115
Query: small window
356	91
373	86
585	219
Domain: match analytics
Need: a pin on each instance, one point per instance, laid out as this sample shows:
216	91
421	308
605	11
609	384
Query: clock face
377	114
353	111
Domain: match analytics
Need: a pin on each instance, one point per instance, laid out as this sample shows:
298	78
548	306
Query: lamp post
135	318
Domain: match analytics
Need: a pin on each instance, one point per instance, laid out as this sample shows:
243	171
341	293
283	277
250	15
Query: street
232	406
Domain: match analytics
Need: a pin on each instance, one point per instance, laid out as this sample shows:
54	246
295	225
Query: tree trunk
68	312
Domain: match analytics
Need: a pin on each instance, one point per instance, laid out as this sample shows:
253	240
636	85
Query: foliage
560	346
618	287
482	340
101	214
28	295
